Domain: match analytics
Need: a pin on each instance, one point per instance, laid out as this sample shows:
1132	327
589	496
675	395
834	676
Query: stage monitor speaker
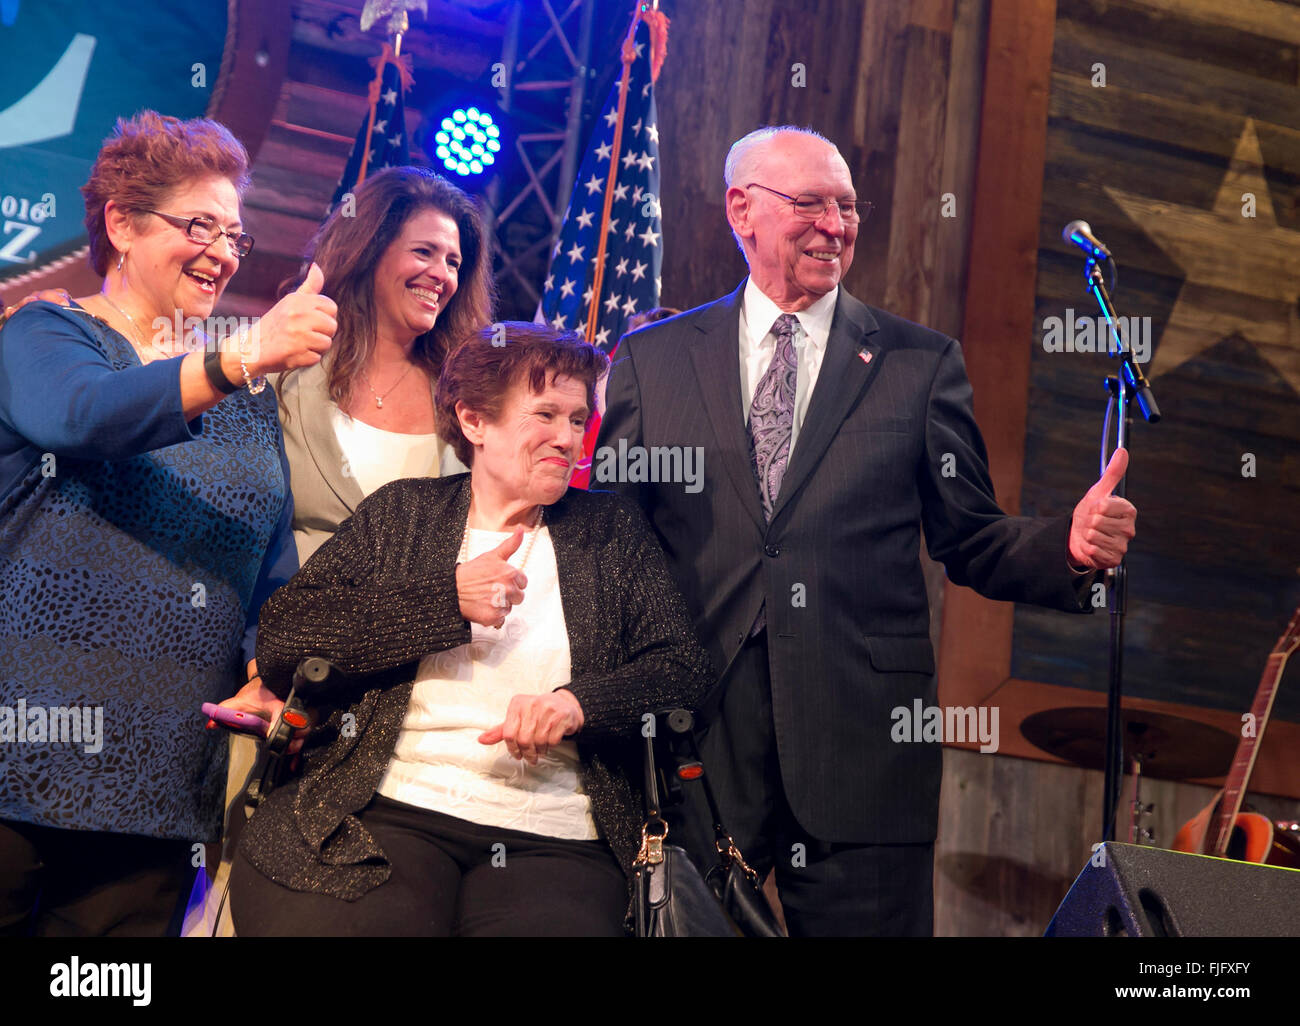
1130	891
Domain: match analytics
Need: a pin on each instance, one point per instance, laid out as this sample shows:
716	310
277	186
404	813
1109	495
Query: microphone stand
1128	385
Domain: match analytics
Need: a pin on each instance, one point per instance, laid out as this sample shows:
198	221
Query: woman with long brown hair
409	265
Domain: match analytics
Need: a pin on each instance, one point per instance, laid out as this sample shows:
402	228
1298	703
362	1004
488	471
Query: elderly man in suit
832	434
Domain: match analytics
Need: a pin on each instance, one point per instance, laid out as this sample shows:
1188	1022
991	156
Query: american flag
381	141
633	248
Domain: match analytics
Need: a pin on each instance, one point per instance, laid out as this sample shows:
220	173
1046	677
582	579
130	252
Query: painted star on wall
1223	252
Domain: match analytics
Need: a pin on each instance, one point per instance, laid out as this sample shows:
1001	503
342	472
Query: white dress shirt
758	346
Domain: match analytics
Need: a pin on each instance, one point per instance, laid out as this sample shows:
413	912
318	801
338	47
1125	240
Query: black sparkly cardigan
381	594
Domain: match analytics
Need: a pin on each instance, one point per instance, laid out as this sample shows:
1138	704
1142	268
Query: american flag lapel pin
863	355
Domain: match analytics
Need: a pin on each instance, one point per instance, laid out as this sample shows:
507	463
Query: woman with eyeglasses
145	514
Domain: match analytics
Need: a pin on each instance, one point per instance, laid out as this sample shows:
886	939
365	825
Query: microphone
1079	233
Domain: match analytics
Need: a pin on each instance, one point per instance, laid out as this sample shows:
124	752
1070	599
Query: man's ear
739	211
472	423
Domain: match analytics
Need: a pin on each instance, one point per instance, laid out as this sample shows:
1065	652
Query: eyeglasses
810	207
207	231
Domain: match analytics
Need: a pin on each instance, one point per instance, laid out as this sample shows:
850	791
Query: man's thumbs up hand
1103	523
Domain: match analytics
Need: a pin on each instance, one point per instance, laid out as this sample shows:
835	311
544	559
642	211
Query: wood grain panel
974	654
1157	160
886	102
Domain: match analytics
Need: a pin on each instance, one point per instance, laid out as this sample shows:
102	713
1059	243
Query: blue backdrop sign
68	71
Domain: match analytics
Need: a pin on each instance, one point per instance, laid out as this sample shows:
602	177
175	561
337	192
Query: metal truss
546	61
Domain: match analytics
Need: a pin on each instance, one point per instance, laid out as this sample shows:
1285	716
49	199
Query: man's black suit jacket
889	446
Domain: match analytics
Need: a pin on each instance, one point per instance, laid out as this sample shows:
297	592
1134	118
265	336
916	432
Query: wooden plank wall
975	650
894	85
1200	112
1151	159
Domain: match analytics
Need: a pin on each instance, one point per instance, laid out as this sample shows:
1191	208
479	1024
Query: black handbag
672	897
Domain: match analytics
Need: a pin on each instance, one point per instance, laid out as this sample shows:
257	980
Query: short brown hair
485	368
352	241
148	156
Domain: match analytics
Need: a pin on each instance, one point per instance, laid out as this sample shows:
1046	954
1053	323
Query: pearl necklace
528	545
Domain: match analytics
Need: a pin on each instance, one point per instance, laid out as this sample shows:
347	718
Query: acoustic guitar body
1253	838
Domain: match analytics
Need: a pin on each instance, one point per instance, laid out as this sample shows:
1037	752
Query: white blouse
438	762
375	457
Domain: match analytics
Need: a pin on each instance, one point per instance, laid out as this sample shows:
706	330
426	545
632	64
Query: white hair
741	158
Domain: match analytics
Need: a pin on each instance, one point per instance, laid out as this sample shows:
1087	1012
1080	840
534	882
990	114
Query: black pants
827	888
79	883
449	877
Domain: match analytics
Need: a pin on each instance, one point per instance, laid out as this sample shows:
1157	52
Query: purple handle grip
235	720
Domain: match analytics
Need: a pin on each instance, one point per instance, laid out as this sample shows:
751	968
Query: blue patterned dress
135	550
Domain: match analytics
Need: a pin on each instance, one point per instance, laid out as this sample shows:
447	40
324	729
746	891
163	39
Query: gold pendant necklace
379	399
134	327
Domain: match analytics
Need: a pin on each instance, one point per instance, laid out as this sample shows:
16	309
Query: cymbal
1172	748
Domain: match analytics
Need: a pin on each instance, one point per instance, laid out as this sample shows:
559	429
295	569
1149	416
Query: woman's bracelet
258	383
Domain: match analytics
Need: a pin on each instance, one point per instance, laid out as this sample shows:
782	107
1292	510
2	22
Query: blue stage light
468	141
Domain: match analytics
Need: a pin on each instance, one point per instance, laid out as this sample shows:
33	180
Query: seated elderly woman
498	638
